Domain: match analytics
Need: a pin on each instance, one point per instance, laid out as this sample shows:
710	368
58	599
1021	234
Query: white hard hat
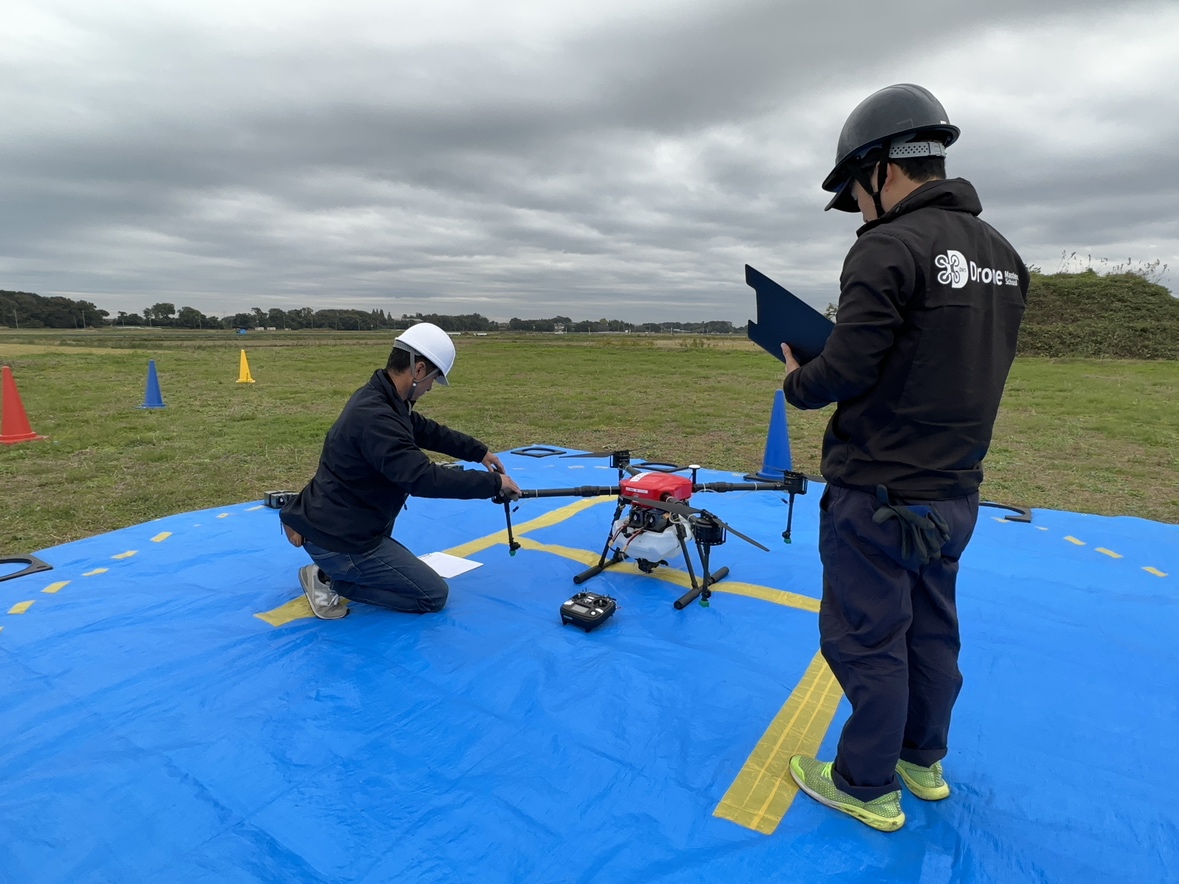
428	340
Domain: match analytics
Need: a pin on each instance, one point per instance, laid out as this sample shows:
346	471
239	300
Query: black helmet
895	116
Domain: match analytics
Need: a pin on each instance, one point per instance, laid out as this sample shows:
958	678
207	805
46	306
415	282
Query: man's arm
878	279
433	436
391	450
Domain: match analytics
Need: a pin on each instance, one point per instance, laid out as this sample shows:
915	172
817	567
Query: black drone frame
708	530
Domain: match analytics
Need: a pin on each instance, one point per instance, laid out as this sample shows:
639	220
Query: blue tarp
154	727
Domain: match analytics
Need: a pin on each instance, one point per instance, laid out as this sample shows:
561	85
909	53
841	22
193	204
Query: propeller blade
668	506
621	451
733	530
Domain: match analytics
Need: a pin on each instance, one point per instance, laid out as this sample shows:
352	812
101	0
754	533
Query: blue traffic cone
777	457
151	396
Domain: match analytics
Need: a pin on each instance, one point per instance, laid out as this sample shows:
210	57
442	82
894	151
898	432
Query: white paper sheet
446	565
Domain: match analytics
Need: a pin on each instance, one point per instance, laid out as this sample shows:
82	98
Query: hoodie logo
955	269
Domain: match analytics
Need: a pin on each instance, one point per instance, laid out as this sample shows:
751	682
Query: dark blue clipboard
784	319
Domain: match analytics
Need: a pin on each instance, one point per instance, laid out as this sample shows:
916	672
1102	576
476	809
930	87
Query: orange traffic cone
14	423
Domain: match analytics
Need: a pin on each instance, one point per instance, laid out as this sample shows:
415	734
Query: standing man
930	303
372	460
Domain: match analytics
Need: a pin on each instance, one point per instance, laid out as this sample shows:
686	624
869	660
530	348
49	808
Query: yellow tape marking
56	587
299	609
161	537
1072	539
295	609
252	508
1108	552
95	571
680	578
222	515
20	607
764	790
126	555
558	515
1155	571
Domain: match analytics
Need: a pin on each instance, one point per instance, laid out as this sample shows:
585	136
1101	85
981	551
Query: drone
654	524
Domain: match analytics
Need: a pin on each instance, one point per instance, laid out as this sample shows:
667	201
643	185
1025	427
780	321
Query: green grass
1096	436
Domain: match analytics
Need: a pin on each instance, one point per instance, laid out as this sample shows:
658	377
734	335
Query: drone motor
707	531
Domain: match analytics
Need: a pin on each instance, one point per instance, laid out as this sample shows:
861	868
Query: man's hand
791	362
492	462
509	490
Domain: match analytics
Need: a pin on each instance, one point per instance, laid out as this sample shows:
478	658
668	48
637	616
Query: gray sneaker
325	604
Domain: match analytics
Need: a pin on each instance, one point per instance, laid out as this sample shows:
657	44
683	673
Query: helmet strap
881	177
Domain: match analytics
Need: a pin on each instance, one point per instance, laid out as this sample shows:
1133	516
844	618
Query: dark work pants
890	635
390	576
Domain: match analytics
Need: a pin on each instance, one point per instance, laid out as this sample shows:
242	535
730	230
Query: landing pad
171	711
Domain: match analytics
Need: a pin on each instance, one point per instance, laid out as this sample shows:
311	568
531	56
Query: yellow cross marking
20	607
1155	571
764	790
95	571
222	515
162	536
126	555
56	587
1108	552
1072	539
252	508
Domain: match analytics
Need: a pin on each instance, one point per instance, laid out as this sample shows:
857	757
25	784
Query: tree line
28	310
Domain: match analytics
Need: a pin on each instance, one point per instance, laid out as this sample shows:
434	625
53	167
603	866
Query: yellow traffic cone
243	375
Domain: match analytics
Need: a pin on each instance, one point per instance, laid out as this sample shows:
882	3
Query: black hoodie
930	303
372	460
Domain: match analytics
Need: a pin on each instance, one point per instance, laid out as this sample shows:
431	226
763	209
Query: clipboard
783	318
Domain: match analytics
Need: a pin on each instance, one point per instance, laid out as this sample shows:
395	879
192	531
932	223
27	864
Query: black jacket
930	303
372	460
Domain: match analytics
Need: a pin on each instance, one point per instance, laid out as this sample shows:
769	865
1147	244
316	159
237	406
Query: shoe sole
919	791
880	824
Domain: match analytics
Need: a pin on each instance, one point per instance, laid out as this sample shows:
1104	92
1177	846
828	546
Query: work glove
923	531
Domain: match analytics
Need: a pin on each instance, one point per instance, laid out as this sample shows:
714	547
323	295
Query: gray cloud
527	159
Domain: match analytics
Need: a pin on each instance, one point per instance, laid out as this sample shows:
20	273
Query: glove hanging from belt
923	531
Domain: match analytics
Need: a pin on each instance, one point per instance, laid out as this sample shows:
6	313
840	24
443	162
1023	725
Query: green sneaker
927	783
814	778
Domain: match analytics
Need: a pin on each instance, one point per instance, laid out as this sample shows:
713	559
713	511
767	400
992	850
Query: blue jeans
390	576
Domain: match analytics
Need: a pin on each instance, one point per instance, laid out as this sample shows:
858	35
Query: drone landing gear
707	534
598	568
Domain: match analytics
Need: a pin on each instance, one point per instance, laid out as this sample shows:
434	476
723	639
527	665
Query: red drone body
655	486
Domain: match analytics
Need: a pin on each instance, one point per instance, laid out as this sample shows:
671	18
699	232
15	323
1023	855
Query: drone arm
794	483
580	491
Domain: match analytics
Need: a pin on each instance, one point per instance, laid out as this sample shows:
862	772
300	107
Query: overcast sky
537	157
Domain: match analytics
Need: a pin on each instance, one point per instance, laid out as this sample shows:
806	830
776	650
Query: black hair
922	169
399	361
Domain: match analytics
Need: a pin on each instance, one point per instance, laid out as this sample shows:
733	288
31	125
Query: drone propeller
682	509
597	454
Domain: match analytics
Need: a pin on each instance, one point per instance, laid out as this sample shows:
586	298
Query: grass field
1092	436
